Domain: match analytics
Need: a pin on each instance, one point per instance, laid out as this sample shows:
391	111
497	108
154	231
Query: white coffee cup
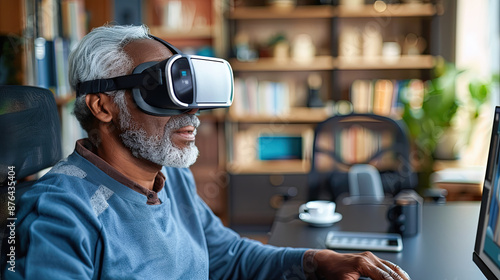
317	210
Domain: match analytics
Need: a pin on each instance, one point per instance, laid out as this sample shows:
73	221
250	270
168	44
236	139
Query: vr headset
173	86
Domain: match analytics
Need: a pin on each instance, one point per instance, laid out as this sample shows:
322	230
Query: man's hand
328	264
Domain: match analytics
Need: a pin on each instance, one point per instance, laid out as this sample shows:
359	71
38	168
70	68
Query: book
382	97
260	97
44	60
362	96
358	144
48	19
74	20
61	53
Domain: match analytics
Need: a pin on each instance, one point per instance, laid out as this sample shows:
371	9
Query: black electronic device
486	253
362	241
405	216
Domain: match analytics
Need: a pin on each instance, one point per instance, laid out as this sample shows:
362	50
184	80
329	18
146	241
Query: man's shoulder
68	175
68	188
67	169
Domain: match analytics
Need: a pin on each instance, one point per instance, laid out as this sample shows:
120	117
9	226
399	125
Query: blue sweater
79	223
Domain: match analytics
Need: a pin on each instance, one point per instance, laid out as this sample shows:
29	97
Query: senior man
124	204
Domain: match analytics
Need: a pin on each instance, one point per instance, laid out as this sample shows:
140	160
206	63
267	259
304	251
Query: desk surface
443	250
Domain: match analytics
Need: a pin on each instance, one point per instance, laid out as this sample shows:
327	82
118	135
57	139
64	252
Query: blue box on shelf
279	147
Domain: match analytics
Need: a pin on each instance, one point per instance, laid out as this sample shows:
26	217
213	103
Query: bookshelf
46	31
387	47
338	69
51	20
194	26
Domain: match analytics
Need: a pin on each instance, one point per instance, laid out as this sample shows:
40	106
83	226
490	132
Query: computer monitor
487	247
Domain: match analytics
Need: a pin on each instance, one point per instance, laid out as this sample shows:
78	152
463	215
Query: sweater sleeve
233	257
55	239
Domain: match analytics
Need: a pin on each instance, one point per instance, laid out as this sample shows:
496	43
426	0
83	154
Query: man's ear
101	106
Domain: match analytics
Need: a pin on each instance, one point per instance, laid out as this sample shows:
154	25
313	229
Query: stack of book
383	97
263	98
358	144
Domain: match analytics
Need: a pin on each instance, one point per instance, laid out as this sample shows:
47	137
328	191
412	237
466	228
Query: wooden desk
443	250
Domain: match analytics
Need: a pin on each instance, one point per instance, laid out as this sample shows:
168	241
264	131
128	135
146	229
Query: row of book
52	65
358	144
61	23
254	97
384	97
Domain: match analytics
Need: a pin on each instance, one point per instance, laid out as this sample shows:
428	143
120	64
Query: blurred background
431	64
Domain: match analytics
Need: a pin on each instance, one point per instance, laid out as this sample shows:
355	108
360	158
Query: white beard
157	149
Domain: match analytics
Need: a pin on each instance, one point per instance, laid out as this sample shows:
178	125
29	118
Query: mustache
179	121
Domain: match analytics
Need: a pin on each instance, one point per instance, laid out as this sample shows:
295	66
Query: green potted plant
432	118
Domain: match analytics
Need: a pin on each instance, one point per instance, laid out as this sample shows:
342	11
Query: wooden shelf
325	63
379	63
392	10
303	12
194	33
272	64
10	16
270	167
296	115
299	12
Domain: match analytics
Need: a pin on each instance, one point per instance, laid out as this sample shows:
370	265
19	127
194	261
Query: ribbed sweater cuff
292	263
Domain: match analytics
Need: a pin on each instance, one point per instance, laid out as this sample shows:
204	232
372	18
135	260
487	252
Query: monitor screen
487	247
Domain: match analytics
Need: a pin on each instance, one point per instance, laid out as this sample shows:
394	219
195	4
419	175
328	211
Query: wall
477	51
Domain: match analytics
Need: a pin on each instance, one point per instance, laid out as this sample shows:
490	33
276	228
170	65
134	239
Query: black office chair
344	141
30	142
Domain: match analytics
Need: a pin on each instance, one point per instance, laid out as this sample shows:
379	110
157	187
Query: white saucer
320	223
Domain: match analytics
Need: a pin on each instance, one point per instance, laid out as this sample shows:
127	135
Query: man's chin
181	157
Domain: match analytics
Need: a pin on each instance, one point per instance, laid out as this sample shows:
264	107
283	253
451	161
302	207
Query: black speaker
405	215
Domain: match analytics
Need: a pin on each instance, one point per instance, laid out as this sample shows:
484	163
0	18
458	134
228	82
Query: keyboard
364	241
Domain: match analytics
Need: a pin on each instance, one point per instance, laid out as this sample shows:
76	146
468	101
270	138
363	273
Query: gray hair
100	55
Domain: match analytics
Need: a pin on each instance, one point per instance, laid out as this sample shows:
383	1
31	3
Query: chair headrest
30	128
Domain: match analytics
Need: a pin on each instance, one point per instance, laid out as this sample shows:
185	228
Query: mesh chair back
343	141
31	132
